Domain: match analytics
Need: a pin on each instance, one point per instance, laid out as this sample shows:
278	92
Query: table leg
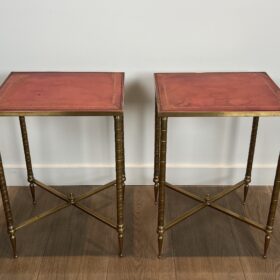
123	156
119	178
251	156
30	176
7	208
272	209
162	175
156	154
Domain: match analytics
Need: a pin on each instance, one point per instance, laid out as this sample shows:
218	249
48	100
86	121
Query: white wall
140	37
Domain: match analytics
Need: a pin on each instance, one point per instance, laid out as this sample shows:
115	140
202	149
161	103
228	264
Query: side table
65	94
212	95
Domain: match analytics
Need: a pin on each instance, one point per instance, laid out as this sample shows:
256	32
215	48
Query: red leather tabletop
62	93
217	94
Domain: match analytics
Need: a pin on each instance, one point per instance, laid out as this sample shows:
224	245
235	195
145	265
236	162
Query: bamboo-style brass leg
162	175
7	208
30	176
123	156
251	156
119	178
156	154
272	209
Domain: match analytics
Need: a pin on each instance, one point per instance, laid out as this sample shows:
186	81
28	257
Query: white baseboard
183	174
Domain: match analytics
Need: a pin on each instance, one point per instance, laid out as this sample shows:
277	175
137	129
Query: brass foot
120	246
13	241
246	188
156	186
120	237
266	245
156	195
32	190
160	241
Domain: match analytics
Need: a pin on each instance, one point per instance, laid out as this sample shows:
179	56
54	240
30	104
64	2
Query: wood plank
31	241
140	252
101	240
203	247
189	250
71	245
250	241
79	246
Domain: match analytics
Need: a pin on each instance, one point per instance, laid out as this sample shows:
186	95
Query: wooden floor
71	245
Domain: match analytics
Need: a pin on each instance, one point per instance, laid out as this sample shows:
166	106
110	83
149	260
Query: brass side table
205	95
65	94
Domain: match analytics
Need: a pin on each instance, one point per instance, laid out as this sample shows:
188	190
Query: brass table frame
69	199
209	201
